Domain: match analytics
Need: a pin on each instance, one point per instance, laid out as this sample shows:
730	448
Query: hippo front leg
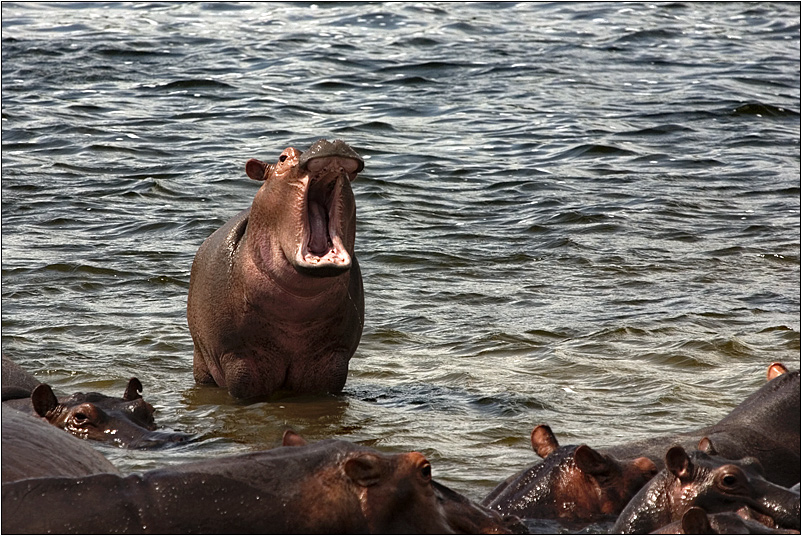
322	375
200	370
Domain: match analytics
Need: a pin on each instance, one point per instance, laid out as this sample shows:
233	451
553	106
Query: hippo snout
323	150
158	440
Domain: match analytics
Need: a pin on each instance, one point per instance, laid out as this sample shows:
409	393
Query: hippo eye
729	481
282	158
81	418
426	471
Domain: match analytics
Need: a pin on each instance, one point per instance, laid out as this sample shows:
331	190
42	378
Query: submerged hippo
572	483
765	426
326	487
275	295
32	448
710	482
125	422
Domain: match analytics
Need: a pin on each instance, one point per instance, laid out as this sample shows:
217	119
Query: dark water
586	215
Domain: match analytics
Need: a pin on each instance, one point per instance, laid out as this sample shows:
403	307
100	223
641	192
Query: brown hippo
765	426
125	422
710	482
696	521
32	448
275	295
327	487
572	483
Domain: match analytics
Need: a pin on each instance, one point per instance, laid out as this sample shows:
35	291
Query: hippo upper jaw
327	217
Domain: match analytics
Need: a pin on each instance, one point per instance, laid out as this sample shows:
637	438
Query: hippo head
307	203
572	483
125	422
593	483
397	494
717	485
712	483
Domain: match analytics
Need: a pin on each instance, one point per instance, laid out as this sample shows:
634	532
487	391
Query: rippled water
586	215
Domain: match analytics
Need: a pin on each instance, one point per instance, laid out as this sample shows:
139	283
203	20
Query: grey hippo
275	295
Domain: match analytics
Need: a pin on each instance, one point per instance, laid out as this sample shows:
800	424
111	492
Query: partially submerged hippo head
399	495
572	483
125	422
712	483
307	200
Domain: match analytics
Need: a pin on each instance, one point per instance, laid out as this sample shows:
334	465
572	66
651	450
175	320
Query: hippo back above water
275	297
330	487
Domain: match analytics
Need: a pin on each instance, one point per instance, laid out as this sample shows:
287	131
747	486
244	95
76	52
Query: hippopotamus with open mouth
275	295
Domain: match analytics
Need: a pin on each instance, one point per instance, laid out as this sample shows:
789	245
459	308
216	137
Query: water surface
585	215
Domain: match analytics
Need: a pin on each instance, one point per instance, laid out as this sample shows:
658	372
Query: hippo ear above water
543	440
590	461
678	462
365	469
133	390
706	446
292	439
256	169
694	521
43	399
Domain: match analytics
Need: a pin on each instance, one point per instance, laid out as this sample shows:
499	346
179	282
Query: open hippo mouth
329	203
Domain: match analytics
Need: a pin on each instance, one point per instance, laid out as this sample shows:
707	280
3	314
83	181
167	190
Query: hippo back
16	380
32	448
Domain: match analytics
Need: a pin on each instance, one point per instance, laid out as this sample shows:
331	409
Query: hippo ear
706	446
291	439
775	369
365	469
590	461
133	390
694	521
44	401
256	169
543	440
678	462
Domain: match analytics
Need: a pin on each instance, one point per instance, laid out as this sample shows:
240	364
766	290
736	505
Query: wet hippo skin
710	482
275	298
766	425
125	422
572	483
32	448
326	487
696	521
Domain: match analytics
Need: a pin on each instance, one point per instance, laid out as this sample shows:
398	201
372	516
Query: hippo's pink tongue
318	229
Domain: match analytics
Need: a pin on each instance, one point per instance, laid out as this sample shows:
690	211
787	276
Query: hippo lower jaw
322	252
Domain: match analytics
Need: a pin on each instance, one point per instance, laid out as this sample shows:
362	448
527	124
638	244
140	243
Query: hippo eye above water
81	418
426	471
282	158
729	480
